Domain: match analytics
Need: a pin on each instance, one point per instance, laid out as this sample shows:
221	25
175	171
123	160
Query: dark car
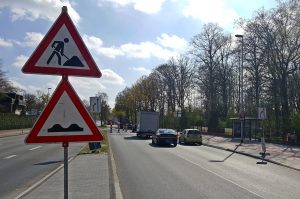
165	136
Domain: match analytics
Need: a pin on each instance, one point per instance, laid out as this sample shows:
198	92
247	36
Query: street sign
64	119
95	104
262	113
62	52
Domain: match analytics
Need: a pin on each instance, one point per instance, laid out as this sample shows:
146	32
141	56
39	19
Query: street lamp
48	93
242	111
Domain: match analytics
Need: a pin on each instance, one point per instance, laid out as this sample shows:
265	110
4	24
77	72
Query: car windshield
167	131
194	132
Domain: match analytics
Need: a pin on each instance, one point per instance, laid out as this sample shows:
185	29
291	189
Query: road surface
147	171
22	165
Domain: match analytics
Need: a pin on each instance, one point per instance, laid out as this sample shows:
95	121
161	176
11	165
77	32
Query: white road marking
218	175
11	156
35	148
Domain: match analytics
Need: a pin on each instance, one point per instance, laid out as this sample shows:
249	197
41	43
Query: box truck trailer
147	123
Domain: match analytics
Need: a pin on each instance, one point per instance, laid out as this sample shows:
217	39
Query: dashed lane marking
35	148
8	157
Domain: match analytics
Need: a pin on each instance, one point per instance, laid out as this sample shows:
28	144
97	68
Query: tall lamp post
242	109
48	95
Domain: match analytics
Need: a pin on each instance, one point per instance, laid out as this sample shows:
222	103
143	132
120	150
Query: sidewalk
284	155
88	178
13	132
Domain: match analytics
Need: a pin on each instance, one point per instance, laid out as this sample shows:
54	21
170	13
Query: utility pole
242	108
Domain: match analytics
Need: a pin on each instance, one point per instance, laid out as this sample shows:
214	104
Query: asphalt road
147	171
22	165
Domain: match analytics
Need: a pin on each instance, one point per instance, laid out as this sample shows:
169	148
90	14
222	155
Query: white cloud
96	44
88	87
20	61
142	70
142	50
37	9
27	88
18	85
145	6
146	50
5	43
32	39
216	11
173	41
110	77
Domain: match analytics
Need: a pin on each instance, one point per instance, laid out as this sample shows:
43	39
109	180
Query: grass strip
103	149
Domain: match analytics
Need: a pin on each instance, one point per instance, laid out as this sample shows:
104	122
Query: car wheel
175	144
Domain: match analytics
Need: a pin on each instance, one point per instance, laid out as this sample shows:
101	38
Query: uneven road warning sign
62	52
64	119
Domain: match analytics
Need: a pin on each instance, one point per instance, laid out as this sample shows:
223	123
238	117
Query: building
12	103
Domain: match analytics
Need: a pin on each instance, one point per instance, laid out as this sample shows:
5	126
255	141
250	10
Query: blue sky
127	38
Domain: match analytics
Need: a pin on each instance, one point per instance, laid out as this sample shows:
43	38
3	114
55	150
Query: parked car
165	136
190	136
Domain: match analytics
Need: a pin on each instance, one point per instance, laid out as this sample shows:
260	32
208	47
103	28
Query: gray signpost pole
65	145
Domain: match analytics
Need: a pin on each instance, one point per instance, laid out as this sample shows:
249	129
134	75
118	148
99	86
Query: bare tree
183	76
206	47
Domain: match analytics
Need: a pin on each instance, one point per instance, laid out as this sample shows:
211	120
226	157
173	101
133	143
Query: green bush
295	123
12	121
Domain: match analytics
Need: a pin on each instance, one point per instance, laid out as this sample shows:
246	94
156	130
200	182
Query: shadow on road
189	144
237	146
49	162
135	138
161	145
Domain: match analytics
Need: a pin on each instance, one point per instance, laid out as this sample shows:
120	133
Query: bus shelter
250	127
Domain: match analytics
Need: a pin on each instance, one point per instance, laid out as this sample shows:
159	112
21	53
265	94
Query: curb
38	183
116	182
250	155
14	134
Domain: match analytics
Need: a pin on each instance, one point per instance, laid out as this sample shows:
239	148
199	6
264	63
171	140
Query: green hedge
12	121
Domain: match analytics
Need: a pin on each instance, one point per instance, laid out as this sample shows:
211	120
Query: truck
147	123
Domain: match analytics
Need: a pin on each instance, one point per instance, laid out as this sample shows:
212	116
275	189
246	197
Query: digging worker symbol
58	50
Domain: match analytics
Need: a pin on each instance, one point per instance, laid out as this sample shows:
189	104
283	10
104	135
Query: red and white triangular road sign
62	52
65	119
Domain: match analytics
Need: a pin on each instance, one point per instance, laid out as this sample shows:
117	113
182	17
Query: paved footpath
88	178
284	155
13	132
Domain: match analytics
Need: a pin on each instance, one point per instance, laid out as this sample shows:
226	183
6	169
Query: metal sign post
262	115
65	145
65	118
